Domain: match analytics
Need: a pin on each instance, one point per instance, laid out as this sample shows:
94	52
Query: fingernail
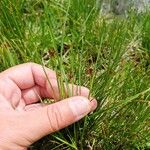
80	106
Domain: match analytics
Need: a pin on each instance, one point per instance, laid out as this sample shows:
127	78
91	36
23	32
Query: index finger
28	75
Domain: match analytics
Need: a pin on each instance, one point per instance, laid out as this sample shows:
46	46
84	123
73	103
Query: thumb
54	117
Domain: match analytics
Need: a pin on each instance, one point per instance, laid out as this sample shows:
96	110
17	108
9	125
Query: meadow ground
108	54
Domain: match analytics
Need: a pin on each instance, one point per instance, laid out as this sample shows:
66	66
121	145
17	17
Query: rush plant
108	54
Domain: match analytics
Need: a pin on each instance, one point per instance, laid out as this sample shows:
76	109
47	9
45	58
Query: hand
24	121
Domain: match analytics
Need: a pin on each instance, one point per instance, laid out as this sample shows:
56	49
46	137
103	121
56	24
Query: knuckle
54	117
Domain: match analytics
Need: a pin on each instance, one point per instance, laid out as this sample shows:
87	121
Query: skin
23	119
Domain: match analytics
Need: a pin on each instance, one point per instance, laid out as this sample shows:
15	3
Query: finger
54	117
32	95
52	90
28	75
56	92
10	91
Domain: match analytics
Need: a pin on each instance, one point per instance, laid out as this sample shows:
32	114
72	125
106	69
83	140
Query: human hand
23	120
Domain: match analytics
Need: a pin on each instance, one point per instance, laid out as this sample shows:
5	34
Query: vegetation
108	54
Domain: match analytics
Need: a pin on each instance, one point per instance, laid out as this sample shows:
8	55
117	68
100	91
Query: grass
108	54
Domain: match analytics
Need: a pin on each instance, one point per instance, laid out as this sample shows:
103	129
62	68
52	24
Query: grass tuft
108	54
